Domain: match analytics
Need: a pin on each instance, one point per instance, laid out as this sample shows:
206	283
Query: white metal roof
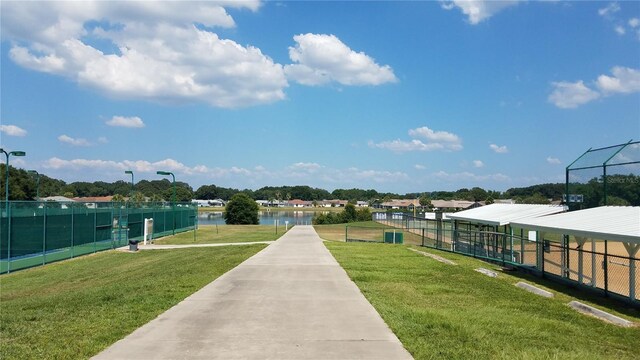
432	216
618	223
504	214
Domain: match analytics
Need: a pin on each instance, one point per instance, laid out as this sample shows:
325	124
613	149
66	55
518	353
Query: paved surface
290	301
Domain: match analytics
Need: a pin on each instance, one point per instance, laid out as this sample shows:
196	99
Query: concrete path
290	301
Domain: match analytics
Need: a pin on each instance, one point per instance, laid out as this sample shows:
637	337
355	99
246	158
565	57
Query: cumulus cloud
478	163
13	130
624	80
499	149
160	54
634	22
419	167
310	167
553	160
620	30
73	141
478	10
425	139
609	10
568	95
123	121
321	59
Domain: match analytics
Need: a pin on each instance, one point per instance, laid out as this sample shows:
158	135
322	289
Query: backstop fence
34	233
603	266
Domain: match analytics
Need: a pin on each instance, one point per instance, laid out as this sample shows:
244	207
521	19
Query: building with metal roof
505	214
618	223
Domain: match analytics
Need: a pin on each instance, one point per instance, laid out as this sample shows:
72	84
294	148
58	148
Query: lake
266	217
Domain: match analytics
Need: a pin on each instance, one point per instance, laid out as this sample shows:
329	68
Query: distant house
333	203
455	205
297	203
60	199
401	204
214	203
362	204
93	202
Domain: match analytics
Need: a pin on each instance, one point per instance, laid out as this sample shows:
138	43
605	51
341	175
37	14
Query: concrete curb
166	247
487	272
535	290
602	315
434	257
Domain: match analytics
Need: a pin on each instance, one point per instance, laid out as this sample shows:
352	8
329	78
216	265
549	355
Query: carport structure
487	231
604	233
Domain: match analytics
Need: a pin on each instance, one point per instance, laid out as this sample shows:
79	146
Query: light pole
6	169
7	209
173	198
37	183
130	172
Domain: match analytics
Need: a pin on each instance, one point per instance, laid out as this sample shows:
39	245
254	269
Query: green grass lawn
210	234
74	309
440	311
336	232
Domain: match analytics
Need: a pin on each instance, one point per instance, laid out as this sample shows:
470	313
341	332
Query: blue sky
396	96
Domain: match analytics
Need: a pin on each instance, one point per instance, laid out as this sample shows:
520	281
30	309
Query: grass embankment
441	311
74	309
212	234
336	232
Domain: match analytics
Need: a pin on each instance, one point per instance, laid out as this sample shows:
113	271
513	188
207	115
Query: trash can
133	245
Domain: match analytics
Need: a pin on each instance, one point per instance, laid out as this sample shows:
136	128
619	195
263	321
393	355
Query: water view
266	217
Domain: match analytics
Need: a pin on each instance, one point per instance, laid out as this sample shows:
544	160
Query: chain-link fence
36	233
599	264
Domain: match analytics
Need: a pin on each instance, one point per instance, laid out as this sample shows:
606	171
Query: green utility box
393	237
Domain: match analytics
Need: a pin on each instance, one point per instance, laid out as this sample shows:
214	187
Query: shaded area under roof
505	214
618	223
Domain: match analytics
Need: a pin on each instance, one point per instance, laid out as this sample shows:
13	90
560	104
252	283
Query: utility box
393	237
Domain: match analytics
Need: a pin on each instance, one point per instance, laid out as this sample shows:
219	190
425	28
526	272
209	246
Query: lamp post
132	186
173	200
37	183
6	194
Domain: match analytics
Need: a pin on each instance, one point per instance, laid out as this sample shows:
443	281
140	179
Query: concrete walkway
290	301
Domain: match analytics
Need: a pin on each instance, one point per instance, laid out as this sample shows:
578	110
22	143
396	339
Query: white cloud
308	167
73	141
624	80
160	53
499	149
620	30
634	22
419	167
13	130
569	95
124	121
433	140
609	10
103	140
478	163
321	59
553	160
479	10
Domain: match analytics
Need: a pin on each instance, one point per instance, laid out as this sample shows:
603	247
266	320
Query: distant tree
615	201
241	210
489	200
425	202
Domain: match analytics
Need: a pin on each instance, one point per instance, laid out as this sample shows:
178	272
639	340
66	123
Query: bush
241	210
349	214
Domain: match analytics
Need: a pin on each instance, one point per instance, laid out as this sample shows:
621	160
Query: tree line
621	190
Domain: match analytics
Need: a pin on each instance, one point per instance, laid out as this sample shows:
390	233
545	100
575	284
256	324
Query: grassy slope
210	234
75	309
440	311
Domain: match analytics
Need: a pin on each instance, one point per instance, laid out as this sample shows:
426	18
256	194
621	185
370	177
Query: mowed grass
440	311
76	308
336	232
210	234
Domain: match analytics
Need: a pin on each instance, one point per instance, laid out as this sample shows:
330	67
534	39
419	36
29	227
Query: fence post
422	237
95	227
44	233
606	269
72	230
8	233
